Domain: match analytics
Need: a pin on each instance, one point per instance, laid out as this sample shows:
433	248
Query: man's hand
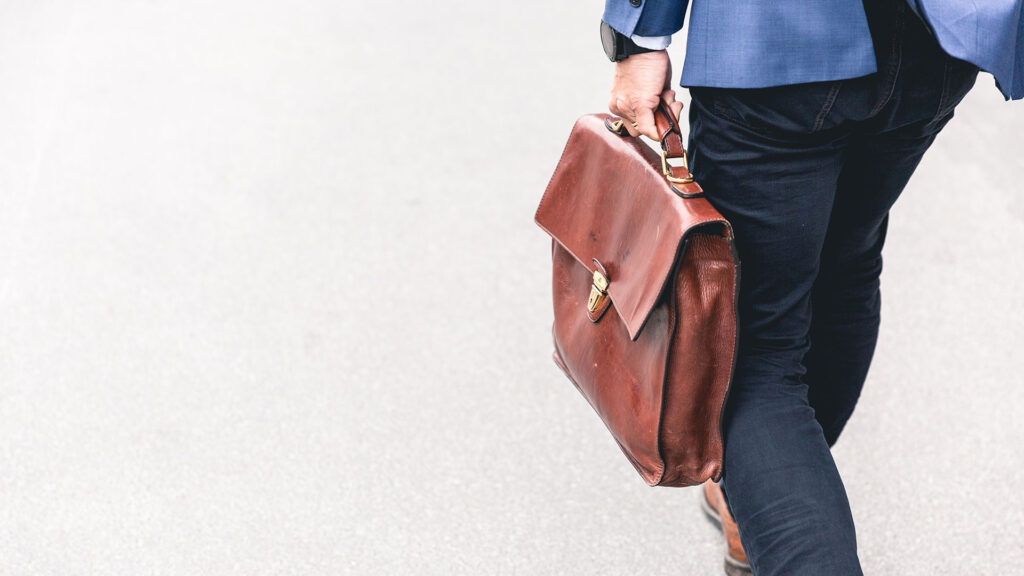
640	81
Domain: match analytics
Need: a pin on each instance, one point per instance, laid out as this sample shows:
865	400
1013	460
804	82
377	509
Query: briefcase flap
609	200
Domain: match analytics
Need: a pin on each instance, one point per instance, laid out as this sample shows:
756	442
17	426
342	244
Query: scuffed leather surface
657	366
700	364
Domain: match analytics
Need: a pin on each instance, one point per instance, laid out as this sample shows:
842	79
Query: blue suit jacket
758	43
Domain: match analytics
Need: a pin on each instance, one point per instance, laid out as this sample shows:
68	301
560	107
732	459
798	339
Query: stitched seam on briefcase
674	315
735	348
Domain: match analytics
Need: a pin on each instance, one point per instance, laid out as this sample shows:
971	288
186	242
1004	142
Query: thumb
677	109
669	96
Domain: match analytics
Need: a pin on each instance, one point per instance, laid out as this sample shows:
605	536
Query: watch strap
625	47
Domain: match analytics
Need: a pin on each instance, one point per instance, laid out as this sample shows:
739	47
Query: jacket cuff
622	15
645	17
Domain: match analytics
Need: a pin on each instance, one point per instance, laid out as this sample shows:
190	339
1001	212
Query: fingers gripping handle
670	136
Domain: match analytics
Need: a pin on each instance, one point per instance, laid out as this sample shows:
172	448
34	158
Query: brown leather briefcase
645	281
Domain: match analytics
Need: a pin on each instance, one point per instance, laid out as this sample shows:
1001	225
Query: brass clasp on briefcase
598	292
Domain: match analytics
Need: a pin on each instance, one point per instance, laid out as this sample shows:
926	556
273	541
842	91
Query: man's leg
775	180
881	157
846	300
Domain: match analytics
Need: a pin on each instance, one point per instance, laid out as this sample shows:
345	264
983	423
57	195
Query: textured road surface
272	302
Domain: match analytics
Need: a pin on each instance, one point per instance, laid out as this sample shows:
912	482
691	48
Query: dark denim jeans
807	174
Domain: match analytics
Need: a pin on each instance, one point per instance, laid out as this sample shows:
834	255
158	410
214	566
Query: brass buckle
598	292
667	170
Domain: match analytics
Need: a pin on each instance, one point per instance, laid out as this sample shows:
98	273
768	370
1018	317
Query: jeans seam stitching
947	81
830	100
894	68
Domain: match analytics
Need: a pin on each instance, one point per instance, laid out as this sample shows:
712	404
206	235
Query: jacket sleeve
647	18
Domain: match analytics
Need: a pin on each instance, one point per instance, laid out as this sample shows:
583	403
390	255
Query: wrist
650	58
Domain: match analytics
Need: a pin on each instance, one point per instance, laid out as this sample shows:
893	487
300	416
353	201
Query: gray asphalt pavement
272	302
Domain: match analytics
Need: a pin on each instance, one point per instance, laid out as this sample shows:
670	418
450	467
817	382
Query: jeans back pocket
958	79
793	108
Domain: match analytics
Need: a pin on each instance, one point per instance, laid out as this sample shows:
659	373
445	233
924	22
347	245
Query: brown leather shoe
714	506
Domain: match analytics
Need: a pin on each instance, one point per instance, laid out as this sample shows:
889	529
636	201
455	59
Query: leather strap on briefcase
645	277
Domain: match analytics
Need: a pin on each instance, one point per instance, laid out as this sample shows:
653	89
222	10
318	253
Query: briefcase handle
670	137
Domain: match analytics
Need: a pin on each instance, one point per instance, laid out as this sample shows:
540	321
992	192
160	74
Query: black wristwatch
619	46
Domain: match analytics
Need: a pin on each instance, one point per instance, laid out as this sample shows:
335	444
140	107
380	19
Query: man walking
808	117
